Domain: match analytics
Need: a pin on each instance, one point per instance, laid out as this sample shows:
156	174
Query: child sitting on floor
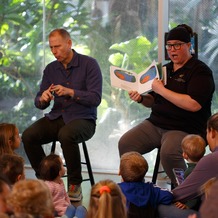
31	198
12	166
141	197
106	201
51	171
193	147
9	138
5	190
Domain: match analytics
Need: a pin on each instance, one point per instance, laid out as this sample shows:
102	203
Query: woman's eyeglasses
176	46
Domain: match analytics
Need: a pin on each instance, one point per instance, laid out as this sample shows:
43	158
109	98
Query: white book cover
142	82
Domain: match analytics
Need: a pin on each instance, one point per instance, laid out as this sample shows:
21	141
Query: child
5	189
31	197
141	197
193	147
9	138
106	201
209	206
12	166
51	171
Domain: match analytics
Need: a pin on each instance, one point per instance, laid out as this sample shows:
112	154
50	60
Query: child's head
209	206
51	167
133	167
212	131
206	187
9	138
31	197
193	147
212	122
5	190
106	200
12	166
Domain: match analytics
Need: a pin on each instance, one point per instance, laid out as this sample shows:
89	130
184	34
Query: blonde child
31	196
9	138
106	201
51	171
141	197
193	147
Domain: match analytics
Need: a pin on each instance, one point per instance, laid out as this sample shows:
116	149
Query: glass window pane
121	33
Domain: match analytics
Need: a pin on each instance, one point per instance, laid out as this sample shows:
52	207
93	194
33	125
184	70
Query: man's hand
61	90
47	95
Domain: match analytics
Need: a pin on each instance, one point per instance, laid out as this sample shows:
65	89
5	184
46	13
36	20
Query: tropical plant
23	52
135	54
212	46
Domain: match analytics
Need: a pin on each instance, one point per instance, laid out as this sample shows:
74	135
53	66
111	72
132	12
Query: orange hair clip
104	189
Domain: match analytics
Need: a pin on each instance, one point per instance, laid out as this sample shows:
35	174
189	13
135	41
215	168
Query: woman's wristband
141	99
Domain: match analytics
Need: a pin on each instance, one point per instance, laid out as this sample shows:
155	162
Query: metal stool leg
91	178
53	146
87	161
156	167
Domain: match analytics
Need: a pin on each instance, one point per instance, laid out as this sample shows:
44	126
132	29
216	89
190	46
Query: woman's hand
135	96
157	86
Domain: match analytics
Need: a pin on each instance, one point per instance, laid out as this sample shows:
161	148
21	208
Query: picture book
142	82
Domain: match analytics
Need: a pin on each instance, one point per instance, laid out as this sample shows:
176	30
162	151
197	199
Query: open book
128	80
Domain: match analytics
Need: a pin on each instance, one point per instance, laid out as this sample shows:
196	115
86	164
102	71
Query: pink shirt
60	198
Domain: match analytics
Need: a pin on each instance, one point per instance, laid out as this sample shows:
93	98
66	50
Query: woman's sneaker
75	192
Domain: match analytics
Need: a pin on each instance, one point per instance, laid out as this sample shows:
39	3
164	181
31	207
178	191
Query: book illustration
149	75
129	80
125	75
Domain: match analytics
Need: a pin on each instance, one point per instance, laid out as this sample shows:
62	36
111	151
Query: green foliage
23	28
212	45
134	54
22	114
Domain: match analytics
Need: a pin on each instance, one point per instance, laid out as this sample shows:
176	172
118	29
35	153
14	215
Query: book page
123	79
128	80
146	77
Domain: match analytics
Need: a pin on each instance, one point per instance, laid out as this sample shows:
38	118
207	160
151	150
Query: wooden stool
86	162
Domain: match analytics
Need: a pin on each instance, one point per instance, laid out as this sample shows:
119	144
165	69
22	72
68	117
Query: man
179	108
74	83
